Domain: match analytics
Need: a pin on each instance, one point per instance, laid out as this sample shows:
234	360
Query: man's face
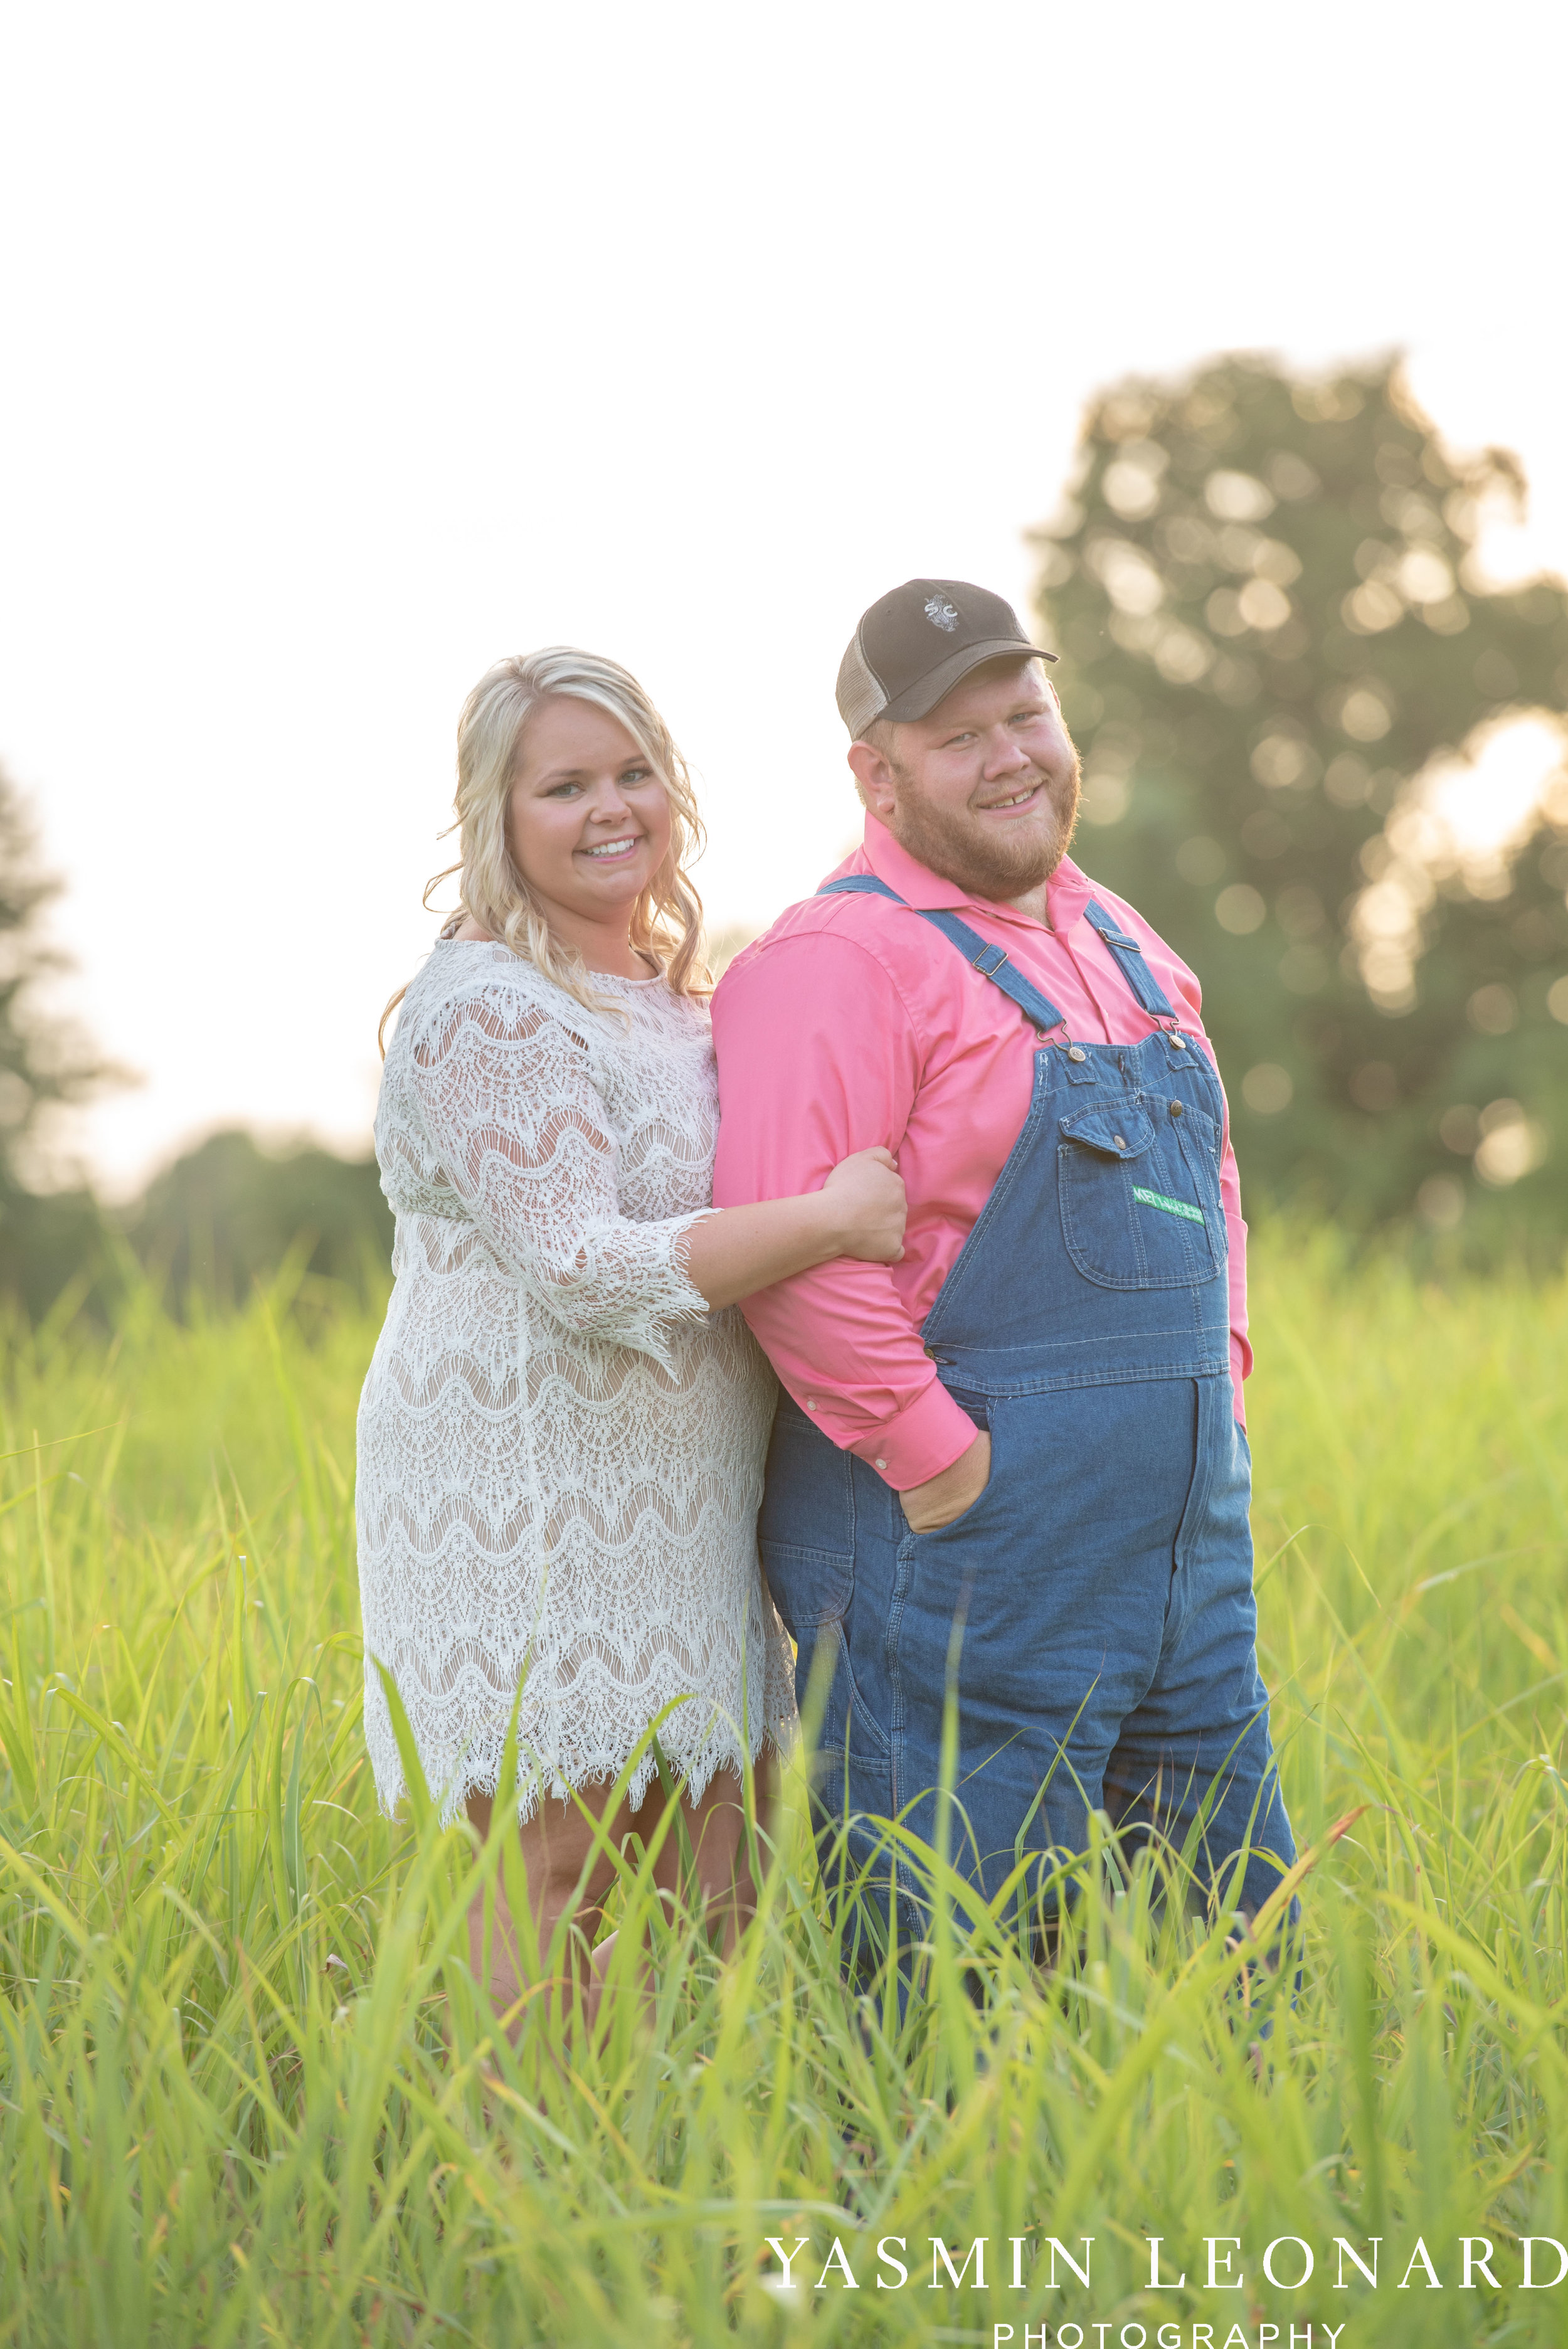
984	790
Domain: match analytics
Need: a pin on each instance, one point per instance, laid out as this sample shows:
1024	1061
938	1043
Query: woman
561	1433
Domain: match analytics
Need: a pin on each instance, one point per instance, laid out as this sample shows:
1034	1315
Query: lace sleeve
507	1098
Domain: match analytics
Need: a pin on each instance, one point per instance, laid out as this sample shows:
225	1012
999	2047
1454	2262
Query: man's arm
818	1057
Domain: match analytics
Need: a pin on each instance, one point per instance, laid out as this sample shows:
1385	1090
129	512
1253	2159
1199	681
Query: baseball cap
914	643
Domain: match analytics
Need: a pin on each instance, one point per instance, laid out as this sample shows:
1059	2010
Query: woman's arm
507	1100
858	1212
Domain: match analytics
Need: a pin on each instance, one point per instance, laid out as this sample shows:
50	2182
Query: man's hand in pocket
944	1499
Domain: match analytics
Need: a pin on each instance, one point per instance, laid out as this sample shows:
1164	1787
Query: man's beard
986	865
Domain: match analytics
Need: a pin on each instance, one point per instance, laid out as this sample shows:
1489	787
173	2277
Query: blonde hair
666	920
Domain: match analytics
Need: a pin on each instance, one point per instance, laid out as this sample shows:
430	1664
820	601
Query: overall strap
990	961
1128	955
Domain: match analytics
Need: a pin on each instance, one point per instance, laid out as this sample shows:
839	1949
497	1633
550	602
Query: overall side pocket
807	1527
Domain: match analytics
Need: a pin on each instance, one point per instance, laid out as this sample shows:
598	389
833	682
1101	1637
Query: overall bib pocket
1136	1213
806	1531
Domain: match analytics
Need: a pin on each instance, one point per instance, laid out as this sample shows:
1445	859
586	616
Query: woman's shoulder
484	978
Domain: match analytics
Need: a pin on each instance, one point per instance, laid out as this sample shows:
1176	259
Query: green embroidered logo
1172	1206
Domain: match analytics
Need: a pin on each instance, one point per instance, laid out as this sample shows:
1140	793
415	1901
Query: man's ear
873	777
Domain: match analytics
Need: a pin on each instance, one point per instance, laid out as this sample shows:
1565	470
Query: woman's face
589	819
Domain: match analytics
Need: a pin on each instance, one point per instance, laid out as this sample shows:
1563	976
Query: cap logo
941	614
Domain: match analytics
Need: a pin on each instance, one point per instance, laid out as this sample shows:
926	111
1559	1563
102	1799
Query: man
1013	1465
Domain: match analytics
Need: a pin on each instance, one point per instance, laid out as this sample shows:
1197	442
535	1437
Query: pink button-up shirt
848	1025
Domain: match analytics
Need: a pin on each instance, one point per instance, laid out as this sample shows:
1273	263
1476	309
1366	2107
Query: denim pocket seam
862	1718
834	1574
1204	1169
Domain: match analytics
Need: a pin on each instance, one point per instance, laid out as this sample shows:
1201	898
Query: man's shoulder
845	924
1122	910
1171	968
1124	914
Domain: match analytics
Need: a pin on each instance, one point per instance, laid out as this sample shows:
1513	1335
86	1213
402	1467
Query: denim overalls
1094	1607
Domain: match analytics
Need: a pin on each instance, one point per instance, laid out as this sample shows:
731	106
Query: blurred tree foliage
224	1215
49	1237
227	1214
1276	636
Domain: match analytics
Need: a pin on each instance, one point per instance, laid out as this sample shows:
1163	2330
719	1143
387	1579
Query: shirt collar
1068	891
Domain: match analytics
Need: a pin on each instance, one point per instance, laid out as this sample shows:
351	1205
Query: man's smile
1001	807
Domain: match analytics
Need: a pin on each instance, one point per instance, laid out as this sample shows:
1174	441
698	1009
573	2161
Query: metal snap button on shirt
1076	1052
1120	1140
1175	1108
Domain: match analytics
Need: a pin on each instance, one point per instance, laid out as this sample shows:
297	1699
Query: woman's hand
865	1200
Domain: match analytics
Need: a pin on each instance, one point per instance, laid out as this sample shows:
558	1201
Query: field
249	2094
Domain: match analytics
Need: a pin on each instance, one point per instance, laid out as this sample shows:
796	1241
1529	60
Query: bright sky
347	348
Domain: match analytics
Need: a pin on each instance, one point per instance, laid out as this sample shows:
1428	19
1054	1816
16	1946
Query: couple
974	1196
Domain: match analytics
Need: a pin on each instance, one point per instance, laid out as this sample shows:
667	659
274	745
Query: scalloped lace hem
481	1775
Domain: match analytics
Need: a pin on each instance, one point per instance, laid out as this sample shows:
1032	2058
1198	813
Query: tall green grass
249	2092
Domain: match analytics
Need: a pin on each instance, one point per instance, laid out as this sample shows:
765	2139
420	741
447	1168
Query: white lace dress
560	1449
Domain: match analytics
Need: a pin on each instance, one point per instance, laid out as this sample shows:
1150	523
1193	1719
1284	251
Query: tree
42	1060
1275	639
227	1214
46	1238
221	1216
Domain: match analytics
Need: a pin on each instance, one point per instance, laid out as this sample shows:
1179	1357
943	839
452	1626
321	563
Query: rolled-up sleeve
817	1058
